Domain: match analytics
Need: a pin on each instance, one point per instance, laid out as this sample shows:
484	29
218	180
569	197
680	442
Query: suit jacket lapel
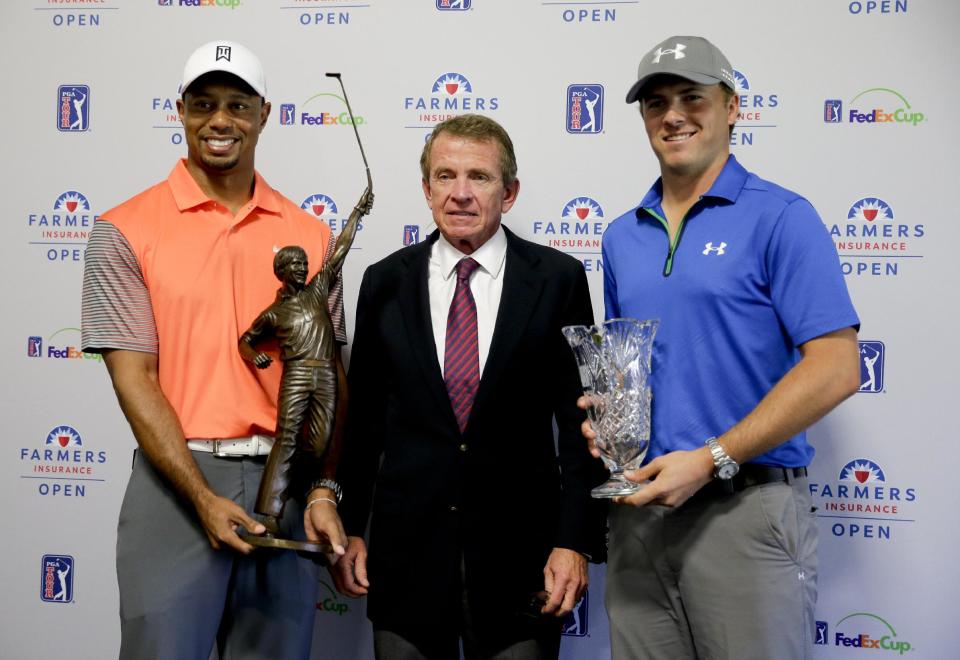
522	284
414	300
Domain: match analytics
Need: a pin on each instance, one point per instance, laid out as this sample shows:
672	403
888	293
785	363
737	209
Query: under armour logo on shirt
676	52
720	249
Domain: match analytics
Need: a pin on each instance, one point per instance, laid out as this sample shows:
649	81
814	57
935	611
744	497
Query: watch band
327	483
724	466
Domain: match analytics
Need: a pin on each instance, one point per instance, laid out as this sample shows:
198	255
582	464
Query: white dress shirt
486	285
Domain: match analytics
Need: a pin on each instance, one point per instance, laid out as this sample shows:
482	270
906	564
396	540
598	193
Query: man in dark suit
458	372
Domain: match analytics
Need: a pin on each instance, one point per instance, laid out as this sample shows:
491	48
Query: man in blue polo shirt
716	556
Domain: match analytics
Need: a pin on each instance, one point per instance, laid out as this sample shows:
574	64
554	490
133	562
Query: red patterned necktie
461	356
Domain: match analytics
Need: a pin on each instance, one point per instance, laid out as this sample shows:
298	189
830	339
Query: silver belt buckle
216	450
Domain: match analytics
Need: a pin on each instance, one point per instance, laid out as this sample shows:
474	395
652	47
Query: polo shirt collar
187	193
490	255
727	186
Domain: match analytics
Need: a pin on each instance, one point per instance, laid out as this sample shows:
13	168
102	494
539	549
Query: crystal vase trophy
614	360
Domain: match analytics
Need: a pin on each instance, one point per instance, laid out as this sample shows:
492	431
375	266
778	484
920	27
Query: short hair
474	127
285	255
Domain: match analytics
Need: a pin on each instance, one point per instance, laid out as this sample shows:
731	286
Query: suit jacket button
463	447
452	509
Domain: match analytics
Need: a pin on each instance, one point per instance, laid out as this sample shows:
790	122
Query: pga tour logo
56	578
288	114
454	5
585	108
833	111
34	347
872	357
575	623
411	234
73	108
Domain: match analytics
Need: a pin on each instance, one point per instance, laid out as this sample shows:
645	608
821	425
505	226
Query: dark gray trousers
179	596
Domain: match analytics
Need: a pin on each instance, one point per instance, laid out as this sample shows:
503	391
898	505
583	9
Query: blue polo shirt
752	274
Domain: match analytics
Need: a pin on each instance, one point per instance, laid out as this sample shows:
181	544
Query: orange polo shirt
208	274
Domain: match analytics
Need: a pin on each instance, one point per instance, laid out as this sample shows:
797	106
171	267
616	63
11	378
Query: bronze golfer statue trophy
300	322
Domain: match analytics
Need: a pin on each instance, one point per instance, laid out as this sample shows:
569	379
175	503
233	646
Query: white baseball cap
228	56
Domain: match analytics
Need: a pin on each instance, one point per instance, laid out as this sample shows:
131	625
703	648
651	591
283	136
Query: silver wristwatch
328	483
724	467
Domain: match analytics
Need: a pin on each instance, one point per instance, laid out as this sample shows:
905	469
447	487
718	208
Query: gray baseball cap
693	58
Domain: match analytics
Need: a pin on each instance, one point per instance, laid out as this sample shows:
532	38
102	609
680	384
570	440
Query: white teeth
220	143
676	138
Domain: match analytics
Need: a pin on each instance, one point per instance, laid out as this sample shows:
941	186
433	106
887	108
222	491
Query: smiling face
222	120
688	125
291	267
465	190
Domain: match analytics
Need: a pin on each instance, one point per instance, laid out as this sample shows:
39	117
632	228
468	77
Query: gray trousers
729	577
179	596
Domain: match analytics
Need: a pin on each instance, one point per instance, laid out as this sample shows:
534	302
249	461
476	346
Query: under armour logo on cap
676	52
223	53
720	249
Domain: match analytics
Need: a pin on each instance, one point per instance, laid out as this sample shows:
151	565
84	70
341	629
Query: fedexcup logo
862	630
311	113
876	105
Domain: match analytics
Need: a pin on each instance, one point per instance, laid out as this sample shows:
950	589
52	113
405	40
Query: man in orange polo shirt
172	278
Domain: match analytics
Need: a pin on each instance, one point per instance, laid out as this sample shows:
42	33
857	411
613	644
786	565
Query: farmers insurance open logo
325	210
61	234
874	241
451	94
862	503
578	231
64	465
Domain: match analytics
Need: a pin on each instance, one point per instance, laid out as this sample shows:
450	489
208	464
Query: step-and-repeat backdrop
852	103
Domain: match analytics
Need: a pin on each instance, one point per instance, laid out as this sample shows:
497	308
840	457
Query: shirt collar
727	185
490	255
187	193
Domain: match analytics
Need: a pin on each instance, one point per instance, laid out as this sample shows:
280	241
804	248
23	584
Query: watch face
727	470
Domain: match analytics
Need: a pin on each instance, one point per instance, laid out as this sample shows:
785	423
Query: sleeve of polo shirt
611	305
335	298
116	311
807	287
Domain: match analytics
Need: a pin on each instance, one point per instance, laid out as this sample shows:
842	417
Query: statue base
272	542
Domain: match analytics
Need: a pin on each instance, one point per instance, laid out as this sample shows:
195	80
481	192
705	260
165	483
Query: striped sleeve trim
116	311
335	297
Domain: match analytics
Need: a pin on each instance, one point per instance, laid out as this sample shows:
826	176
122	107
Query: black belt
750	475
